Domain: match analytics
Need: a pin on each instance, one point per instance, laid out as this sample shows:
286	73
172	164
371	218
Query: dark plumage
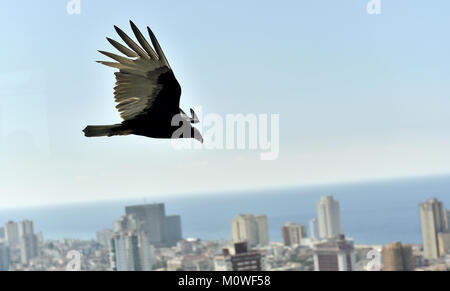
147	92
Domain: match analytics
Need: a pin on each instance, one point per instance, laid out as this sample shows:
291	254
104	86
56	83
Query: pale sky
360	97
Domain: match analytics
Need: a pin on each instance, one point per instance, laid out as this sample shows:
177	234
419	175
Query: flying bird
146	92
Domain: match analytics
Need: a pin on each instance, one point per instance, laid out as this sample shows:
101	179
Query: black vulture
147	93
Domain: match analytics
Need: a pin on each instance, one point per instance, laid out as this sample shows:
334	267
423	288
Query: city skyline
373	195
137	239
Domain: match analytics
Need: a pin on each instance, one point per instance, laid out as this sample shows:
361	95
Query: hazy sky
359	96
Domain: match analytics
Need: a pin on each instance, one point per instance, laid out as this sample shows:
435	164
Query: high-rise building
448	220
250	228
40	238
336	254
4	257
263	229
433	220
131	252
329	217
130	249
444	243
28	241
172	228
28	247
152	219
146	252
104	237
397	257
244	228
126	223
242	259
223	262
125	249
26	227
314	228
12	234
293	233
2	233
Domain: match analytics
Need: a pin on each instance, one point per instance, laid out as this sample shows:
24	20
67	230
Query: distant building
444	243
397	257
448	220
152	220
188	246
314	228
172	228
245	260
241	260
2	233
293	233
146	253
329	217
250	228
12	234
130	249
28	247
25	227
28	241
192	262
223	262
263	229
433	220
131	252
175	264
125	249
40	238
104	237
126	223
335	254
5	260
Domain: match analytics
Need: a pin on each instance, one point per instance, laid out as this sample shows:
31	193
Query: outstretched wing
145	83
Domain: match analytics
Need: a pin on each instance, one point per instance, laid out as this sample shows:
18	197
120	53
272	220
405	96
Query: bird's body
147	93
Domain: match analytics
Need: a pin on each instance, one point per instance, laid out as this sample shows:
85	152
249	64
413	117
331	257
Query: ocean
372	212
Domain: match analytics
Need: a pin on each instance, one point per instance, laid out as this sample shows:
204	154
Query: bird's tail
101	130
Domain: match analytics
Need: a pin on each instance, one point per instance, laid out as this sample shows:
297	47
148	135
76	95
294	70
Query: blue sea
372	212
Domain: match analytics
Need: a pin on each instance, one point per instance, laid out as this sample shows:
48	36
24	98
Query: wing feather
131	43
138	82
143	42
123	49
157	47
118	58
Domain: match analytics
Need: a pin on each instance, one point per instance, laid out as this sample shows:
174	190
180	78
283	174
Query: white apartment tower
314	228
329	217
130	249
4	257
433	220
250	228
12	234
26	227
28	241
293	233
